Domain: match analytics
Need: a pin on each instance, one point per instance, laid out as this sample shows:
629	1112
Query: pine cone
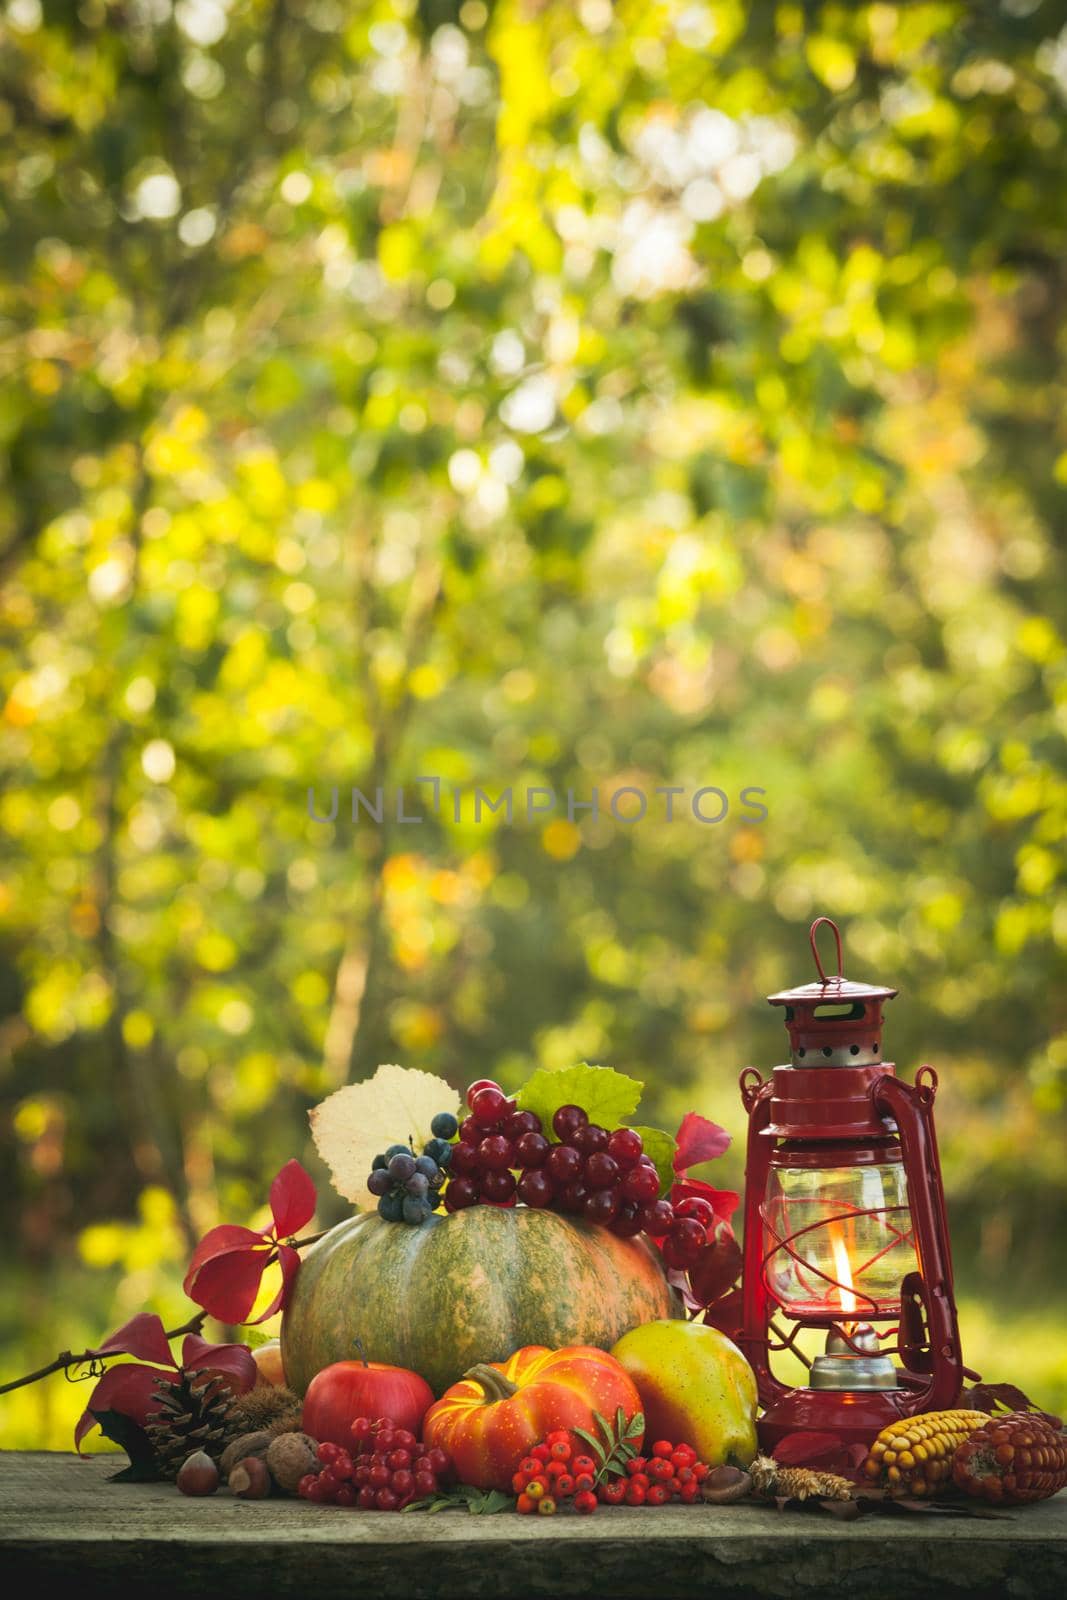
797	1483
192	1415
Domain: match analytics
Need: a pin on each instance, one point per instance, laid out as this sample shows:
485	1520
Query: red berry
635	1493
519	1480
601	1206
496	1186
489	1105
557	1469
320	1491
461	1193
465	1159
328	1452
564	1486
627	1223
613	1493
305	1483
656	1216
557	1436
700	1470
683	1243
361	1475
436	1461
524	1505
567	1120
424	1484
402	1482
367	1499
536	1187
684	1475
600	1171
661	1468
378	1477
386	1439
386	1500
470	1132
522	1122
360	1429
530	1466
399	1458
480	1083
404	1439
591	1137
625	1147
683	1455
583	1481
635	1465
662	1448
540	1452
641	1479
346	1495
698	1209
574	1196
560	1450
563	1163
688	1493
583	1464
641	1184
658	1495
494	1153
585	1502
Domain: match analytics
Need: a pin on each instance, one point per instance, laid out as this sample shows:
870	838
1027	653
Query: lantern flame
843	1273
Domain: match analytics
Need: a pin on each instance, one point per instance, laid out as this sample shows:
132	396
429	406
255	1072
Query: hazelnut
290	1457
198	1474
247	1444
250	1479
726	1484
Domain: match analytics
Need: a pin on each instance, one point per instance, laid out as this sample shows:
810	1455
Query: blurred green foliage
527	394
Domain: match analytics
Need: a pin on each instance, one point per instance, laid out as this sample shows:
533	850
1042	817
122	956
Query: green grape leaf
608	1096
660	1147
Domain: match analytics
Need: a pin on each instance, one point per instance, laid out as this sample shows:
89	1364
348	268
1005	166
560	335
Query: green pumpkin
474	1286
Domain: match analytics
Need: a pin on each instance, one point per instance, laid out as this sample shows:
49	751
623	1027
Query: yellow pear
696	1388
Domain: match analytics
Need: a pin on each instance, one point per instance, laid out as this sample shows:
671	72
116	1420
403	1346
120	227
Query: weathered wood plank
61	1520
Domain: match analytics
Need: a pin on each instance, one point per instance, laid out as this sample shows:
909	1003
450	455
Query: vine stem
67	1359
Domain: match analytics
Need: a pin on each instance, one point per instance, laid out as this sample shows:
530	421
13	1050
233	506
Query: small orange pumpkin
497	1412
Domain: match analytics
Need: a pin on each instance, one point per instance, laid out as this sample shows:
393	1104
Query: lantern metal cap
830	992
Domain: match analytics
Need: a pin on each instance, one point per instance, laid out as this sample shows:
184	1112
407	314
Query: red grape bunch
385	1469
592	1172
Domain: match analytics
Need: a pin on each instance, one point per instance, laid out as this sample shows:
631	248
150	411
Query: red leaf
292	1199
725	1314
289	1260
235	1360
723	1202
142	1336
227	1285
716	1268
698	1140
798	1449
128	1388
219	1242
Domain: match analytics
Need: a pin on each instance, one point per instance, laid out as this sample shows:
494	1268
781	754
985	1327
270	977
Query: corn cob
1012	1459
797	1483
914	1456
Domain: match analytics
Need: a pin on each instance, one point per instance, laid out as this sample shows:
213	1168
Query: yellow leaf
362	1120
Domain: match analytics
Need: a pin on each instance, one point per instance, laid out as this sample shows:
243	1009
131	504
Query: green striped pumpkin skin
474	1286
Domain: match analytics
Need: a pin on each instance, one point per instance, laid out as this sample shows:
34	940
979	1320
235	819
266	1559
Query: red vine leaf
128	1388
289	1261
234	1360
698	1140
143	1336
292	1199
227	1284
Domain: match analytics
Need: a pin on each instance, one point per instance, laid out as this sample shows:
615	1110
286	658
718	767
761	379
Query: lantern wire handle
830	923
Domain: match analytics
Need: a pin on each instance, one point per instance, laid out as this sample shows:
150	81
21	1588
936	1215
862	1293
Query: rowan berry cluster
554	1472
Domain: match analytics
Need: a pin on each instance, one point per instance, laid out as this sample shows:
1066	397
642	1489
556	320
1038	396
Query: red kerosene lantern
845	1225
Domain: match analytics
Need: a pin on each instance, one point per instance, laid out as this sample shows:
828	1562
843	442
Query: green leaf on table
464	1496
661	1148
608	1096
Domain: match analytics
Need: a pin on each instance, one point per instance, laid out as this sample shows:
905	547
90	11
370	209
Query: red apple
339	1394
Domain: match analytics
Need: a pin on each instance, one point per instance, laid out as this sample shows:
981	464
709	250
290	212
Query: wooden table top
61	1520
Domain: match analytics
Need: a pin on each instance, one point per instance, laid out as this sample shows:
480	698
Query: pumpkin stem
493	1383
362	1353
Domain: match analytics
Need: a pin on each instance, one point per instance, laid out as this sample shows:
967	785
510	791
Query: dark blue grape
444	1125
397	1150
401	1166
418	1183
438	1150
379	1182
377	1163
428	1166
391	1208
416	1209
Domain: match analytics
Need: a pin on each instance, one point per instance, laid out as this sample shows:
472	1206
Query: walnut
290	1457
